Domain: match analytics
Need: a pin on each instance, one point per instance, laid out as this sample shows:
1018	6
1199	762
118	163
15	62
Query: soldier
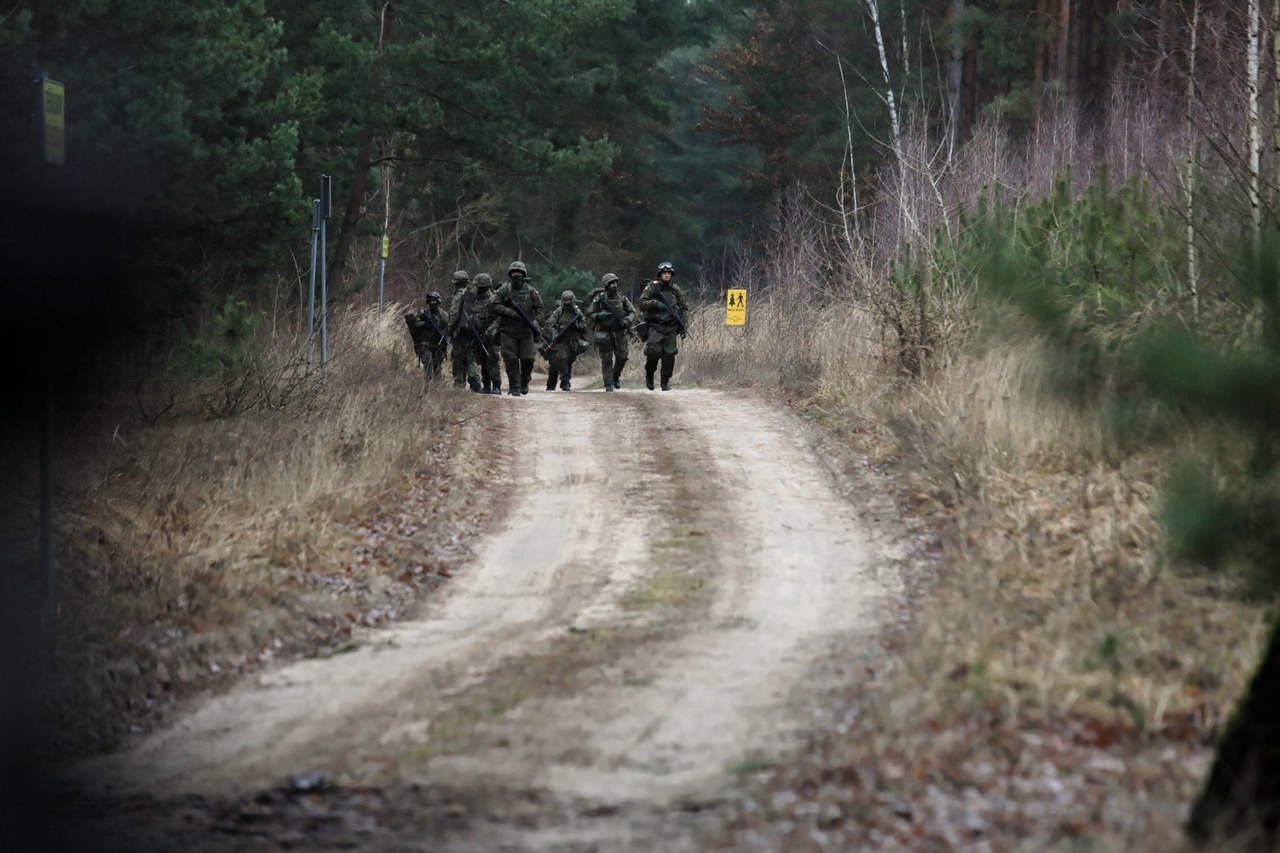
664	308
487	324
613	315
521	309
568	341
429	330
461	352
469	345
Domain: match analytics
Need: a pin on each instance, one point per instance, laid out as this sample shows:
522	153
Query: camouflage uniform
468	336
518	350
457	336
429	330
660	342
486	320
569	326
610	333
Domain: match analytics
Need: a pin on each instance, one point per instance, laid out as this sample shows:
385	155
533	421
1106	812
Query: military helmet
517	266
433	297
567	297
609	278
483	279
461	277
666	266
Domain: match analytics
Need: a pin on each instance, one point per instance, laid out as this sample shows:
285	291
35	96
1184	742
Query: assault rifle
416	320
533	327
671	311
441	337
617	315
469	321
562	334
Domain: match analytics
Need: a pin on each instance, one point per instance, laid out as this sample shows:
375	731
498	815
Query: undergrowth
224	508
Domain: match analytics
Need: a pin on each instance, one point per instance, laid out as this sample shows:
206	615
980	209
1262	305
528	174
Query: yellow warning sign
735	309
53	97
386	245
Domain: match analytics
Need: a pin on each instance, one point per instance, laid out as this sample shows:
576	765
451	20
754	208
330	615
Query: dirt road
642	624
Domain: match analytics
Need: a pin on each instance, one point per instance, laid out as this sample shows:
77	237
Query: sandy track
616	498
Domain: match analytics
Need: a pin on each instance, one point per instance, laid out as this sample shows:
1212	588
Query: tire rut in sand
671	568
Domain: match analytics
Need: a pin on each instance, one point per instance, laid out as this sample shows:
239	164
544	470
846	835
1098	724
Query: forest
1064	208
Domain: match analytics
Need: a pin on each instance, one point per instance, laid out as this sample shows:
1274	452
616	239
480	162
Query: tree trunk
1066	78
1255	117
1042	49
1189	174
364	157
955	75
1241	801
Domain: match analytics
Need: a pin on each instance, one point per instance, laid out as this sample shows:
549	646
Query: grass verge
199	542
1060	681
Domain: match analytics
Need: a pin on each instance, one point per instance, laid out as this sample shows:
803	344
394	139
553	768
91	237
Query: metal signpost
53	113
326	210
382	269
311	299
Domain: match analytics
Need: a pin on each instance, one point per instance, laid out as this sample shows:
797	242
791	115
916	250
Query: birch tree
1255	116
1189	168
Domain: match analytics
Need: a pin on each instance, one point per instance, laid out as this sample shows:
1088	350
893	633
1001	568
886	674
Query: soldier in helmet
521	310
665	310
487	323
569	339
461	283
469	348
429	330
612	316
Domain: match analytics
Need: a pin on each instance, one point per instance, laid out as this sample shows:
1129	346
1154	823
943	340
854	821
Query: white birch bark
1255	116
1189	169
849	185
873	7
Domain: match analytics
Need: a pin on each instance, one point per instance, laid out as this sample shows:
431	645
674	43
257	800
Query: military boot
565	377
474	383
650	367
513	379
526	371
552	375
668	368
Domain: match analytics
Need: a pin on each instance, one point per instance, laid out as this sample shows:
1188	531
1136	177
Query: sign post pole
382	270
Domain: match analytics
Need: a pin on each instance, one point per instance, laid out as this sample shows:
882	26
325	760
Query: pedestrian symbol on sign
736	307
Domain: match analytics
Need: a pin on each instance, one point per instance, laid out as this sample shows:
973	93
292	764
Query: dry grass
196	547
1054	608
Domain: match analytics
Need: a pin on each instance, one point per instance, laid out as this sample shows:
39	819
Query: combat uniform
569	339
458	336
612	317
486	320
516	336
429	330
663	330
469	347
